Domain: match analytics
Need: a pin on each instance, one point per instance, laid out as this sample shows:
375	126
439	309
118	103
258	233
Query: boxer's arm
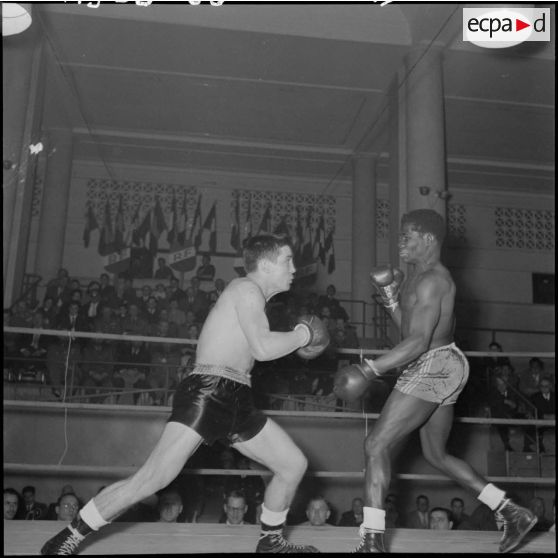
264	343
424	317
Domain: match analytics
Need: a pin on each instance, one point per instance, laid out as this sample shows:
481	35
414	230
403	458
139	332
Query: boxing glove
318	337
350	382
388	282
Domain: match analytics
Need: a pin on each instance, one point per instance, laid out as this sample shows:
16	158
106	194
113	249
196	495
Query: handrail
32	280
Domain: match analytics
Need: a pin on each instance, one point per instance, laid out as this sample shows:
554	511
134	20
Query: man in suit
544	400
31	509
353	517
419	518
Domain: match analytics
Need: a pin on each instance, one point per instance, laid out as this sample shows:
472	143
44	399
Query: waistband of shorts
223	372
451	346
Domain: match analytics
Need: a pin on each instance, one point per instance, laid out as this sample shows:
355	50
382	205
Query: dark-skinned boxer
435	372
215	402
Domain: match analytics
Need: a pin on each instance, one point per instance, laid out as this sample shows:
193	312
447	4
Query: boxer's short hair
426	221
263	246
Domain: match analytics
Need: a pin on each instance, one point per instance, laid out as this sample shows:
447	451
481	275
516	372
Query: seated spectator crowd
209	500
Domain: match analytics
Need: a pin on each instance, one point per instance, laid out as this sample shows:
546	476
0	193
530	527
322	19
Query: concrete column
363	225
425	130
54	210
23	90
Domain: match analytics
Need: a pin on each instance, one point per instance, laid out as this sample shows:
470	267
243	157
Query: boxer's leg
433	437
518	521
177	443
273	448
401	415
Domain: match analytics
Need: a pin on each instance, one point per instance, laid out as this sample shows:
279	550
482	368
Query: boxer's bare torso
222	341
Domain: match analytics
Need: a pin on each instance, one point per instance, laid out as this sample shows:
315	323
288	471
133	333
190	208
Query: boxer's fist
350	382
318	337
388	282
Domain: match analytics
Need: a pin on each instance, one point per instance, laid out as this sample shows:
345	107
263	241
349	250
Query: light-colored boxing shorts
438	375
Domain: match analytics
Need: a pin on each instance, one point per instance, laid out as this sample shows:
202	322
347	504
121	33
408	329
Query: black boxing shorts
217	408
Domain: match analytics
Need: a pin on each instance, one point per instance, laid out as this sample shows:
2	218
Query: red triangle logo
519	25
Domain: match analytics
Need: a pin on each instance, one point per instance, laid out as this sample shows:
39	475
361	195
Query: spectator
337	311
125	291
491	364
507	373
544	401
216	292
163	271
503	404
34	346
97	369
151	312
31	509
235	508
419	519
175	293
21	315
176	315
72	319
440	519
392	513
482	519
59	288
144	298
536	505
206	271
529	379
106	321
66	489
67	507
352	517
106	291
49	312
458	515
165	358
170	506
133	323
11	503
196	300
63	365
91	309
317	512
132	372
161	295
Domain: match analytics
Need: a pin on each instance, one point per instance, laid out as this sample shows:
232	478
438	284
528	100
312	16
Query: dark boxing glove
318	337
388	282
350	382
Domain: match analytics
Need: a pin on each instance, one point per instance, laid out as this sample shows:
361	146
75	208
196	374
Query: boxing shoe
371	542
518	521
68	540
272	541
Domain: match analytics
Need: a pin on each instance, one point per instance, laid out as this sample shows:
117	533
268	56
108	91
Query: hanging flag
235	226
210	229
319	241
171	232
265	223
196	230
307	246
282	228
90	225
248	222
119	227
140	227
106	239
180	237
157	226
330	252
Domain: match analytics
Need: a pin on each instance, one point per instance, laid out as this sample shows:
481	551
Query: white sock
273	518
491	496
90	514
374	519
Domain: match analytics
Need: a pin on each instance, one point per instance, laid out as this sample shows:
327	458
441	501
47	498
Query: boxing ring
26	537
73	426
